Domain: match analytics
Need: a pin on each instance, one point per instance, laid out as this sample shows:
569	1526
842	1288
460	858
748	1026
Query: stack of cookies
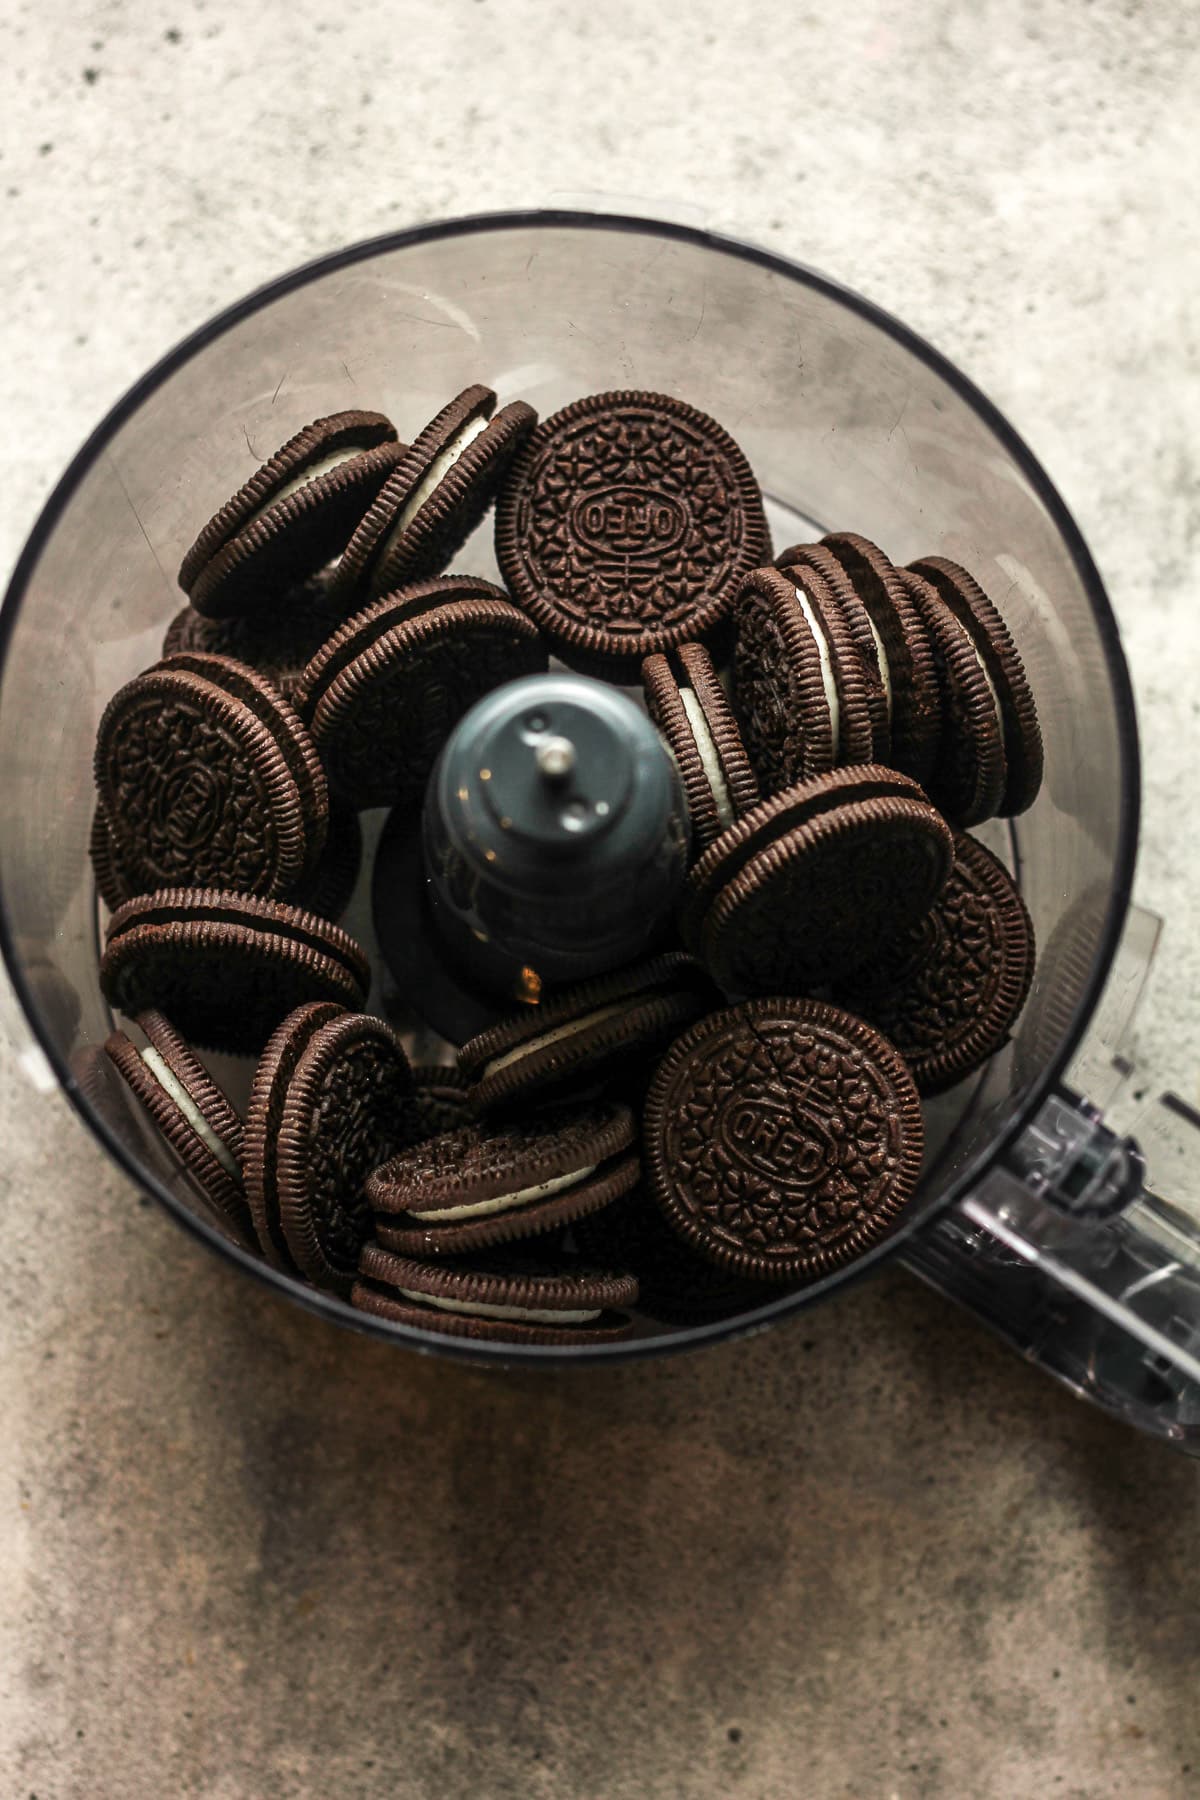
735	1115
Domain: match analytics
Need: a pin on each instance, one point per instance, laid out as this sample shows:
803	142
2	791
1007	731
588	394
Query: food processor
1066	1222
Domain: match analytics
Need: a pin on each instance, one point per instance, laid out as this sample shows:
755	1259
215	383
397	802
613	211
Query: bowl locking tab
1082	1244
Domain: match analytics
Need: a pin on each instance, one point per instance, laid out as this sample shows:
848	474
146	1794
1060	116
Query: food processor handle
1081	1244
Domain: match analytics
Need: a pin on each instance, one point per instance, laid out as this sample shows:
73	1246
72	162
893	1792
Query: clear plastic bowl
849	420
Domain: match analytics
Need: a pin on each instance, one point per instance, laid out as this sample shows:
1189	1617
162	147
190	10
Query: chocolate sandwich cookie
688	704
574	1038
328	890
208	778
384	693
438	1102
863	634
783	1138
675	1284
294	515
276	640
436	495
111	884
226	967
628	524
970	772
800	692
486	1184
331	885
495	1300
998	656
947	990
327	1106
905	653
191	1112
1066	969
810	882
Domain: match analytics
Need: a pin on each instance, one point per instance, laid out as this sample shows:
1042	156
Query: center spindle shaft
556	758
555	834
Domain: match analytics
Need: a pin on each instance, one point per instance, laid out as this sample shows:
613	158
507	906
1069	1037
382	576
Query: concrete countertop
872	1555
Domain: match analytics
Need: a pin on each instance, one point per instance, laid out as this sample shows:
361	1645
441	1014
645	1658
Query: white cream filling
827	676
532	1315
190	1111
434	475
710	762
990	687
884	666
556	1036
480	1209
313	472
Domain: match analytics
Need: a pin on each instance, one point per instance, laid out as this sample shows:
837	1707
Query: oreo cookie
437	494
1009	691
277	640
438	1102
685	699
970	773
111	884
863	634
810	882
226	967
294	515
904	652
330	888
783	1138
948	990
207	778
194	1116
800	691
327	1106
327	891
495	1301
627	525
487	1184
387	689
572	1040
676	1285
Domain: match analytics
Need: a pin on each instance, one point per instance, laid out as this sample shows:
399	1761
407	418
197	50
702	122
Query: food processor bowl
849	421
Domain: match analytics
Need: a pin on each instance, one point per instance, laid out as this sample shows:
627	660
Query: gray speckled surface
870	1555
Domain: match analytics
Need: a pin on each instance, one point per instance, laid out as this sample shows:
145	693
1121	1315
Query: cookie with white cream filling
864	632
587	1033
800	693
295	514
437	494
1004	671
685	699
192	1113
508	1302
487	1184
970	774
384	692
916	714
